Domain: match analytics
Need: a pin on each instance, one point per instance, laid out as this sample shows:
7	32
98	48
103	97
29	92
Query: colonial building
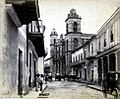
101	53
74	38
62	48
108	46
22	46
57	53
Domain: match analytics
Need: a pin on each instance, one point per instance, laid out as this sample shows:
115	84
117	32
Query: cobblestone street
72	90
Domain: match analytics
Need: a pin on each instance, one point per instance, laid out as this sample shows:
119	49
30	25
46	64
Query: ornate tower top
53	32
73	14
73	22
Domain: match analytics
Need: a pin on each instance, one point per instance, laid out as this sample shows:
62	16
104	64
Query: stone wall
9	37
2	32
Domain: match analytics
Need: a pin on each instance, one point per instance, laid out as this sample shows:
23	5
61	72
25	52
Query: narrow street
72	90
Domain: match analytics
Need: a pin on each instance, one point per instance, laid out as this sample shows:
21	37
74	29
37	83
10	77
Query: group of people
40	80
109	83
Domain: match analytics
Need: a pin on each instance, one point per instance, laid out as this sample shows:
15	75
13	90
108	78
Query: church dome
53	32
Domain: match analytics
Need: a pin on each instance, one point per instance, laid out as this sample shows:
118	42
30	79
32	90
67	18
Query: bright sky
94	13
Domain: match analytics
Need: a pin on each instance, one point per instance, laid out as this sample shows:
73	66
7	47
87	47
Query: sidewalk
35	94
92	85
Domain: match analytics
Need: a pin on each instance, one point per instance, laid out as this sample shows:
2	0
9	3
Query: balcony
90	57
38	41
77	63
26	10
98	52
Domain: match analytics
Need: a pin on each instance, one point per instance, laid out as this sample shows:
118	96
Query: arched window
75	40
54	41
75	26
111	34
66	28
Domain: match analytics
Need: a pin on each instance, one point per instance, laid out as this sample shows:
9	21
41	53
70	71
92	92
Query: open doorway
30	55
20	72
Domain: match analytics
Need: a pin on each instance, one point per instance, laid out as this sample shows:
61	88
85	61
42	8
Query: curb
44	88
98	89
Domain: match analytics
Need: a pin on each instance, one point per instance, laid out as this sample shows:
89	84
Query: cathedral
61	48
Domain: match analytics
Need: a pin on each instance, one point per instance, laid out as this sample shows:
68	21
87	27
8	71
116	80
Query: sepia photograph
60	49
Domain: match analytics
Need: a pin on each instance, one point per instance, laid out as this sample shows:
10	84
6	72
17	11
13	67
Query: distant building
62	48
22	46
57	49
47	66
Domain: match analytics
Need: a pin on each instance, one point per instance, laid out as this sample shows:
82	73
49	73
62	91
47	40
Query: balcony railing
90	57
37	38
78	63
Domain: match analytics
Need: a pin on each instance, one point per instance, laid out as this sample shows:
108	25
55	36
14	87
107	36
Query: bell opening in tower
75	26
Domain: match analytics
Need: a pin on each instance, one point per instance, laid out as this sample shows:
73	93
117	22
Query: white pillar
108	63
41	65
116	60
102	68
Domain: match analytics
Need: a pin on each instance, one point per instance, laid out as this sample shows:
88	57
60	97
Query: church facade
61	49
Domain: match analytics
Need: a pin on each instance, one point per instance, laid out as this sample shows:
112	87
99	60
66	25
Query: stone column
102	68
41	65
116	61
108	63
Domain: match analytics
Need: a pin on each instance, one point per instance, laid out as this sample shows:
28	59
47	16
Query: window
111	34
73	59
84	54
99	44
67	44
75	26
83	40
81	56
76	58
75	43
105	43
67	28
92	48
54	41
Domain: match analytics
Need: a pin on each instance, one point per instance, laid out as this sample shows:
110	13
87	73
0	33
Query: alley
72	90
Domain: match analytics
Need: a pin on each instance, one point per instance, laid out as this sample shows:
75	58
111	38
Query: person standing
39	82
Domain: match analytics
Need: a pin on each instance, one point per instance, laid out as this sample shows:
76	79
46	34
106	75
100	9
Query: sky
94	13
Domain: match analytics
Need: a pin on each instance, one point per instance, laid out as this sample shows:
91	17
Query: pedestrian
46	78
39	82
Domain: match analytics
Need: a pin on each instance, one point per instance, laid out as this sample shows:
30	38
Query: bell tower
53	41
72	37
73	22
